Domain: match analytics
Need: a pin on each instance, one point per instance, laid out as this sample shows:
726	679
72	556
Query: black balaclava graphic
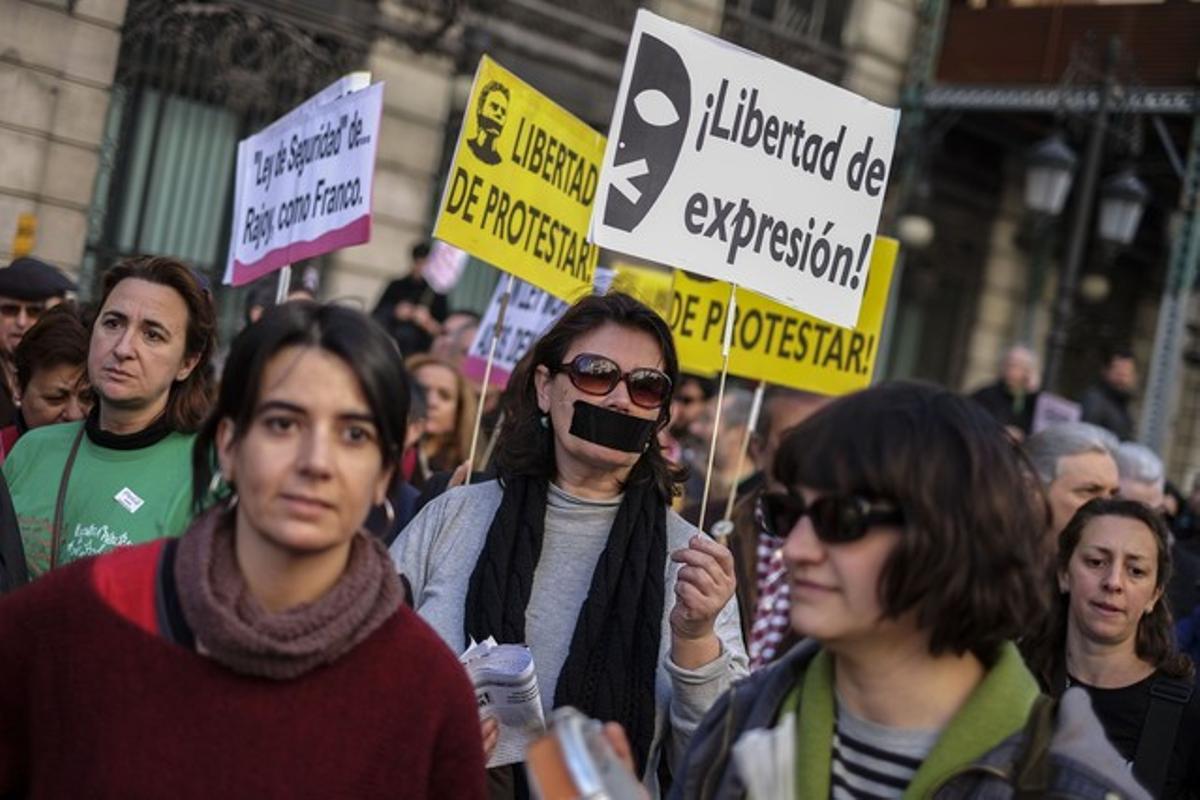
609	428
653	127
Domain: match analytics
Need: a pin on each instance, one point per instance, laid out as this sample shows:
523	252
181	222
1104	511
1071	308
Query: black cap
28	278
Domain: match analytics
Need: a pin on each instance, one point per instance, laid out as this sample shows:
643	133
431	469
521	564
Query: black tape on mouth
612	429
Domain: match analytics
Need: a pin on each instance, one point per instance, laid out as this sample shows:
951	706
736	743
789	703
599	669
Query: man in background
1106	402
27	288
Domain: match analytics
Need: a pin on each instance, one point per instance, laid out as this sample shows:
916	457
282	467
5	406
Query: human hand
459	476
702	588
490	728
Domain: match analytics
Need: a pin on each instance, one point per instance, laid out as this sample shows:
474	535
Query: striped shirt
873	761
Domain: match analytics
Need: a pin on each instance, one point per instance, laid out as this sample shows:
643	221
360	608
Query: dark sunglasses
13	310
599	375
836	519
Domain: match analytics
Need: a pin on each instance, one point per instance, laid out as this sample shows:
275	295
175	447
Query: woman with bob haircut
52	384
450	406
574	551
1110	632
911	545
113	479
267	652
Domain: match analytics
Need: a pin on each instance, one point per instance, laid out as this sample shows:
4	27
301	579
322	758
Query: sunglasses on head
836	519
599	375
12	310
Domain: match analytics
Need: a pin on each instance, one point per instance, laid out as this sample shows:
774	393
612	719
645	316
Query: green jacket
979	754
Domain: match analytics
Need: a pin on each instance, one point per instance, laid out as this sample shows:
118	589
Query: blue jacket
1059	751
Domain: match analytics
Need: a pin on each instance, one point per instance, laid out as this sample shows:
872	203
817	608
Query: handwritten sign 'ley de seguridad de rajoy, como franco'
739	168
520	191
304	182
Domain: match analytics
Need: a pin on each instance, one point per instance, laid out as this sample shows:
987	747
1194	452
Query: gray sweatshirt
437	553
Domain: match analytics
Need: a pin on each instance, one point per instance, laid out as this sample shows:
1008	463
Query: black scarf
610	669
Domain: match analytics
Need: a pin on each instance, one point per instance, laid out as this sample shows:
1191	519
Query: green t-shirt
114	497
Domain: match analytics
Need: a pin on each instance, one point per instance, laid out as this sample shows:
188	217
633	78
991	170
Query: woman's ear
542	381
226	448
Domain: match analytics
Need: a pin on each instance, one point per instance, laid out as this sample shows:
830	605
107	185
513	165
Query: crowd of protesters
257	583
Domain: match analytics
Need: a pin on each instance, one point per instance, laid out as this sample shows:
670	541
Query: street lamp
1049	171
1122	200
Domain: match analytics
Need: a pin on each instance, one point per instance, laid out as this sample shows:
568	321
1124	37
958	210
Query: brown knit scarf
233	628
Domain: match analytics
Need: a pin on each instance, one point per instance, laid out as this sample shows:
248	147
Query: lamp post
1049	171
1122	200
1065	298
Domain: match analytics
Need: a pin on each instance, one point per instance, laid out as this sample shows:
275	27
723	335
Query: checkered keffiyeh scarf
771	622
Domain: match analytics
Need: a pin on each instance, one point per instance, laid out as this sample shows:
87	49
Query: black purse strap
56	528
1168	698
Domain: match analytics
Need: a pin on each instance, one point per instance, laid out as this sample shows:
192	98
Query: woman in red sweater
267	652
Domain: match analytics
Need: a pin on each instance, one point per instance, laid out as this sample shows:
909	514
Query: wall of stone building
417	100
1001	301
56	72
878	39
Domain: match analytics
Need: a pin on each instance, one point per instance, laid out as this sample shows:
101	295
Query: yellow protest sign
520	190
778	344
651	286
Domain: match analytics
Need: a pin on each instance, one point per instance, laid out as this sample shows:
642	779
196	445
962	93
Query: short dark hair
525	447
58	338
420	250
707	386
191	398
360	343
1118	353
967	561
1155	639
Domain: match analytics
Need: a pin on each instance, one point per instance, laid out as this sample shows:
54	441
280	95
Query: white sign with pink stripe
304	183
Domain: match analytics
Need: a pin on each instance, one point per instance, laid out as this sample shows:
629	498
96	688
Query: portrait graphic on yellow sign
520	190
778	344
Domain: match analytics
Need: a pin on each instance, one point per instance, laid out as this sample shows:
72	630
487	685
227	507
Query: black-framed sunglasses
12	309
598	375
835	518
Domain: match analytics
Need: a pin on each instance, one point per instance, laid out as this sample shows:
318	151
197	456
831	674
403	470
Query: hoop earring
389	511
544	421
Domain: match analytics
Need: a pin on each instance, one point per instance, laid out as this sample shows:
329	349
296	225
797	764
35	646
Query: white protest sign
444	266
531	311
1051	410
742	169
303	184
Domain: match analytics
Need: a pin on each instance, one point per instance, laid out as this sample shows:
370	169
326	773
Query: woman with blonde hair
451	403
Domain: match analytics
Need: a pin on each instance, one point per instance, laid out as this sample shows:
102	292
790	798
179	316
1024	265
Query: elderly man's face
1020	371
1149	493
1081	477
16	317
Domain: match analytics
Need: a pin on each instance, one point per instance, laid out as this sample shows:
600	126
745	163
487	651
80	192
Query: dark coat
1108	407
13	572
1005	407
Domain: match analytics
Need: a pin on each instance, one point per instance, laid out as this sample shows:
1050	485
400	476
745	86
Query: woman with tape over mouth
574	551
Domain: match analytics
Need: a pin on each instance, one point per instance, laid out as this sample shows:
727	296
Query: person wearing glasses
911	544
27	288
52	384
574	551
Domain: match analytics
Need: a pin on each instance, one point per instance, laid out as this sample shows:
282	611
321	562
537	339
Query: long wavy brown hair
455	447
1154	642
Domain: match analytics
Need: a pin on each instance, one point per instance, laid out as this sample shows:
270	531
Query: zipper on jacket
726	745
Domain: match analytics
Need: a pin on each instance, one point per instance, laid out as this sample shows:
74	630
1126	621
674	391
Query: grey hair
737	407
1138	463
1047	447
